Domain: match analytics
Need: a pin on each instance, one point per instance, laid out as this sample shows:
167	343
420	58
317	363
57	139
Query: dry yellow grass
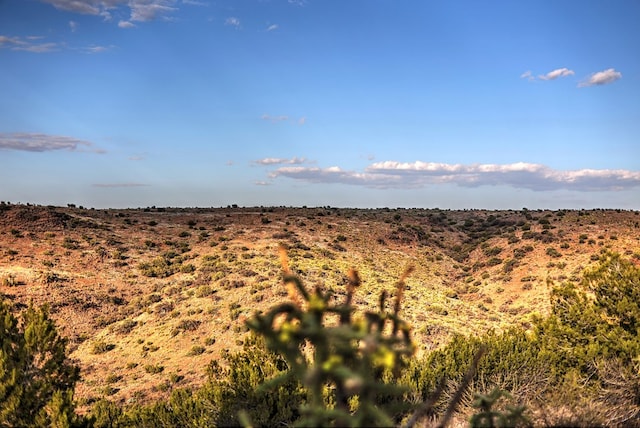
163	331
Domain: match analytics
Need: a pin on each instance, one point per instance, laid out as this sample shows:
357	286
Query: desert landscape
275	213
148	297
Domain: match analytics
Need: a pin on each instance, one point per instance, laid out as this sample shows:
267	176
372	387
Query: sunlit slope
148	297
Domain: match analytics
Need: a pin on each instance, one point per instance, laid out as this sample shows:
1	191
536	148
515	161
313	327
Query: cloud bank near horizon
412	175
33	142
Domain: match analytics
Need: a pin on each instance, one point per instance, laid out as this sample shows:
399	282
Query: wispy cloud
527	75
272	27
281	161
283	118
559	72
28	44
126	24
280	118
34	44
139	10
30	142
86	7
263	183
601	78
149	10
115	185
408	175
38	47
96	49
195	3
232	21
73	25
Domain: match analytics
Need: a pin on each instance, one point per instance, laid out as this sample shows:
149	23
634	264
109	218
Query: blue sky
456	104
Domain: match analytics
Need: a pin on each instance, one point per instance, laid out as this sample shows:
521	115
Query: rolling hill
147	297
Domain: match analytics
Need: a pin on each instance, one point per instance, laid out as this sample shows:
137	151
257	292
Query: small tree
36	379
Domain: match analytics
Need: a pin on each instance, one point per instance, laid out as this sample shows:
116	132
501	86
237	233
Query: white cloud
73	25
30	142
281	161
263	183
302	120
126	24
559	72
410	175
601	78
232	21
272	27
335	174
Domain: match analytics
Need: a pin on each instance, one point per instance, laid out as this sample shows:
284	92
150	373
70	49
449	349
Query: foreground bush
342	361
36	379
231	387
328	364
579	366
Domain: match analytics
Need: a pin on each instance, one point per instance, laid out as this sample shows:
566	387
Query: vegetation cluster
317	361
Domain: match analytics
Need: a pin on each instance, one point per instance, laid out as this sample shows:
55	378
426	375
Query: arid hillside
147	297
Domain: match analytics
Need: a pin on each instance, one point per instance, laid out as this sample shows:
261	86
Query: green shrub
160	267
492	251
204	291
36	378
125	327
187	268
153	368
100	347
357	375
185	325
553	252
494	261
197	350
70	244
